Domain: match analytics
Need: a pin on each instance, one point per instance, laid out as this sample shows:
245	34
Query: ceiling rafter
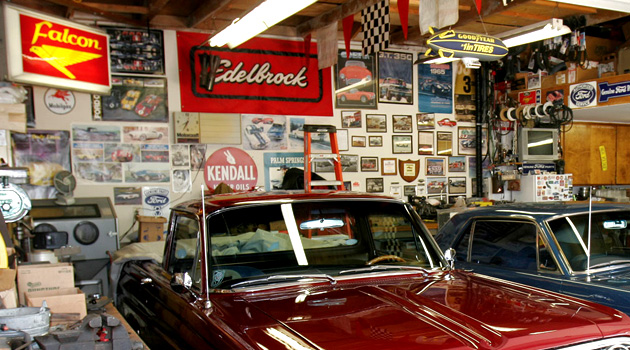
335	15
70	4
205	11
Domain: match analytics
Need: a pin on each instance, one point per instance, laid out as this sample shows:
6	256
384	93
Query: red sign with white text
231	166
262	76
60	51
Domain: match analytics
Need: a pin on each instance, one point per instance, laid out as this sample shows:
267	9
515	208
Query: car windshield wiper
609	263
383	268
282	278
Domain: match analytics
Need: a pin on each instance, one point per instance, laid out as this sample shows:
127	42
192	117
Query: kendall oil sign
54	52
262	76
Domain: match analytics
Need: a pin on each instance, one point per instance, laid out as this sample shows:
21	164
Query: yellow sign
602	155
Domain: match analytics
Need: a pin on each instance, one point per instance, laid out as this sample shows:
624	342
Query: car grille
621	343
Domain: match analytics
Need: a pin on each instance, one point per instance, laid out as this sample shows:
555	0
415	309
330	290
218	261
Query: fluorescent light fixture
534	32
612	5
262	17
435	60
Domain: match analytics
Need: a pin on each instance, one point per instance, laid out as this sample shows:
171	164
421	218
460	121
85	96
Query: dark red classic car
334	270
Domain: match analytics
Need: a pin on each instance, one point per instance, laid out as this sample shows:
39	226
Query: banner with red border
263	76
48	51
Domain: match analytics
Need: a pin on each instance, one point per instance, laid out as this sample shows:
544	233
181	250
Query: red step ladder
310	158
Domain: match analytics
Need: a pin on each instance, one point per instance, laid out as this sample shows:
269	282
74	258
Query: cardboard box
579	74
44	277
561	78
60	301
151	228
8	291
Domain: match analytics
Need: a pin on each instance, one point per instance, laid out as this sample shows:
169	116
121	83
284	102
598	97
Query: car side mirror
449	255
181	281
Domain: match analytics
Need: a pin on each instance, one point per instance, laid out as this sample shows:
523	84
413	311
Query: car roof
221	201
540	211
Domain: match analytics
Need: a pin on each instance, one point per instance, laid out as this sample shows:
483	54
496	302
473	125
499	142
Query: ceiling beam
155	6
335	15
95	11
205	11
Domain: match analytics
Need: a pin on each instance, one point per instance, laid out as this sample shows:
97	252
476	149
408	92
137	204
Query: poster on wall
276	164
355	83
136	50
465	100
44	153
395	77
264	132
134	99
435	92
267	76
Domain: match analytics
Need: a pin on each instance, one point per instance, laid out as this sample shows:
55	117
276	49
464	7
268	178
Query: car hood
446	310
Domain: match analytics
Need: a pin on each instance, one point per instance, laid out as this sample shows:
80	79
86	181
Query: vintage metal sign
583	95
409	169
54	52
455	44
261	76
233	167
608	91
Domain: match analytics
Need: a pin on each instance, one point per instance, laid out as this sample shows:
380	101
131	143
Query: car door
510	249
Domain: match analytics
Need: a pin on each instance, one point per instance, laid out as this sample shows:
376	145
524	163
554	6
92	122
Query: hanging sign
261	76
45	50
233	167
455	44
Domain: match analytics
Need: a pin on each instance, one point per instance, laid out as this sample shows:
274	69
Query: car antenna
588	254
207	304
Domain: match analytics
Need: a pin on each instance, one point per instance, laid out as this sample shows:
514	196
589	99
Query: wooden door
582	154
623	154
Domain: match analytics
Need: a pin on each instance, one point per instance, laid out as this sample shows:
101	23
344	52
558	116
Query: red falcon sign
55	52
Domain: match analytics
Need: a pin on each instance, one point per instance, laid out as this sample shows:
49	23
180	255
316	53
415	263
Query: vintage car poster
465	101
355	85
436	185
435	92
395	77
134	99
136	50
44	153
277	163
264	132
468	142
127	196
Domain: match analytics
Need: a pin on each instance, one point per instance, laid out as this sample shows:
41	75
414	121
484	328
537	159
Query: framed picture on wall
395	75
456	164
425	143
436	185
374	184
444	143
425	121
351	119
457	185
342	139
467	141
376	123
388	166
358	141
401	144
376	141
435	166
357	68
402	123
369	163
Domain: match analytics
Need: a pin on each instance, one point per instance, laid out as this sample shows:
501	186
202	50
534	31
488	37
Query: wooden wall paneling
581	146
623	155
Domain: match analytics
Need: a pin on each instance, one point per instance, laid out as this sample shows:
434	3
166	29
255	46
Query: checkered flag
375	24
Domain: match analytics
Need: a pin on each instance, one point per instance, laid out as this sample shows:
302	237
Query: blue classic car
547	245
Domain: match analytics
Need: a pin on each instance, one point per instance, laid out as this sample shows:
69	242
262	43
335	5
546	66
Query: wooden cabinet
584	146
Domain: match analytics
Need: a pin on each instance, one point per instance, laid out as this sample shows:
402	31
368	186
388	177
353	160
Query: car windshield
609	239
315	237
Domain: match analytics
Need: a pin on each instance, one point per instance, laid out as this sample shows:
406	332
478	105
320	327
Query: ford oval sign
583	95
451	43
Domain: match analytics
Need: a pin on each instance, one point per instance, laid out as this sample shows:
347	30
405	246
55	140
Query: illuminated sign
54	52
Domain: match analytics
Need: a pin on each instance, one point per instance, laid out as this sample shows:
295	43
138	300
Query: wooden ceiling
213	15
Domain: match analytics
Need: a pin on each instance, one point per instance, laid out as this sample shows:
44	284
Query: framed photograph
388	166
401	144
457	185
456	164
467	141
395	190
376	141
436	185
444	143
409	190
358	141
133	99
425	143
395	76
369	163
435	166
342	139
425	121
351	119
136	51
350	163
402	123
374	184
355	86
376	123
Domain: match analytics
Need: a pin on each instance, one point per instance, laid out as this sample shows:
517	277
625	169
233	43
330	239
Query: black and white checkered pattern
375	26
